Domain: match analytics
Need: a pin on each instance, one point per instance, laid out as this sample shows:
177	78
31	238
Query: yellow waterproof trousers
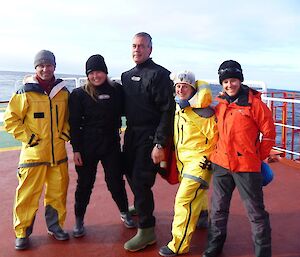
31	183
190	200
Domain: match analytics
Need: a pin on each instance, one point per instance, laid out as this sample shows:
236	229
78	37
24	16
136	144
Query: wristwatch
159	146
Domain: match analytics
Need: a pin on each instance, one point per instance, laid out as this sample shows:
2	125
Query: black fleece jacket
92	121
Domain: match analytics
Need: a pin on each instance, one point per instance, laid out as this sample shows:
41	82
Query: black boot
78	230
212	252
203	220
127	220
214	245
166	251
58	233
54	229
22	243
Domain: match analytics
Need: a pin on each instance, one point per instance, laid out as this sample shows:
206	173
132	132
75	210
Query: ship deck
106	234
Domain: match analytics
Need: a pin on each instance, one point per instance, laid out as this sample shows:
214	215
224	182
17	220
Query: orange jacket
240	147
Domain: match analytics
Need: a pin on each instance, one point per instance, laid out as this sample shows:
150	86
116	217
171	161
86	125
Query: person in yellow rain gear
195	136
37	115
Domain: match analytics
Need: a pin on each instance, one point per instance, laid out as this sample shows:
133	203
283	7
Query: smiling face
45	71
97	78
231	86
141	49
183	91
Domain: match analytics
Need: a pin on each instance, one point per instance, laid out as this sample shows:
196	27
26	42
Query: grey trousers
250	190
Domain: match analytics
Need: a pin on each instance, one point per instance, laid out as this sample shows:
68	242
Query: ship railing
282	104
286	115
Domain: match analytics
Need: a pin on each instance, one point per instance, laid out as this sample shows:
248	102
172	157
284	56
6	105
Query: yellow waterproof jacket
40	122
195	134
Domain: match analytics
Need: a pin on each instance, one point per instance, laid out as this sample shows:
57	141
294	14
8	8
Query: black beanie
230	69
95	63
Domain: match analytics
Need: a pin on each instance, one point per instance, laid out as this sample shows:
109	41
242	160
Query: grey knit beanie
44	57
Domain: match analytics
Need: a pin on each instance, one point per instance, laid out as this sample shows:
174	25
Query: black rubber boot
212	252
59	234
203	220
132	210
127	220
166	251
22	243
78	230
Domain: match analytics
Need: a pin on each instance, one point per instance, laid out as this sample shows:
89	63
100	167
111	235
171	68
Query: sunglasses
229	70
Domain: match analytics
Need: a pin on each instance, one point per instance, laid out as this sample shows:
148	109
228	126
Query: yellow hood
203	96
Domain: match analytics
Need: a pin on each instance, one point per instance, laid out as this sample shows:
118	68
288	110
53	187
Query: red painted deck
106	234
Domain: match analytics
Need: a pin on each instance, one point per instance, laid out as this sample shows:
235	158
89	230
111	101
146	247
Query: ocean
10	81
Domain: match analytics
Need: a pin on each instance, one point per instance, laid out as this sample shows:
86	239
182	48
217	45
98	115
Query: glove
33	141
205	163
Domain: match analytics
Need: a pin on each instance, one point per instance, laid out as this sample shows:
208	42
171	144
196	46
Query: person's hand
77	159
205	163
158	155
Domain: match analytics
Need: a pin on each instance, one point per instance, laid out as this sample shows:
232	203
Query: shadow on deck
106	234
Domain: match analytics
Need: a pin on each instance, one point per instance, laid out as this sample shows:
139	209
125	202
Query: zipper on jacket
51	124
56	109
176	148
181	134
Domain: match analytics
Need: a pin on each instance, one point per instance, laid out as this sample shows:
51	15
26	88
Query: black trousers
250	190
141	172
111	162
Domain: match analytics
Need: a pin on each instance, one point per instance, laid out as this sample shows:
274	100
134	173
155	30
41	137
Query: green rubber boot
143	238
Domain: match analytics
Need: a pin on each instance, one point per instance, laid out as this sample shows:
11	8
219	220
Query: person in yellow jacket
195	136
37	115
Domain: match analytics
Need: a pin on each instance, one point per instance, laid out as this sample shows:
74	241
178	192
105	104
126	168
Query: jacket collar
31	85
144	64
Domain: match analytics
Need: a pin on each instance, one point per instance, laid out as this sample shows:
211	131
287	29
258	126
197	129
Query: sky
197	35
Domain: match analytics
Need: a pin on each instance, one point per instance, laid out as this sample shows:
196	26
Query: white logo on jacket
102	97
134	78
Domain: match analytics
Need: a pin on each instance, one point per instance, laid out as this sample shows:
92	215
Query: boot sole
57	238
19	248
78	235
142	247
126	226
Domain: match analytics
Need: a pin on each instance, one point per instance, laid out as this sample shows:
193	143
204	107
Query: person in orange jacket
246	136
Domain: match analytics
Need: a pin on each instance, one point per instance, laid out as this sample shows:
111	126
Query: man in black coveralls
149	109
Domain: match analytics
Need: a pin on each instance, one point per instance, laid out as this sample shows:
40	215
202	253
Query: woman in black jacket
95	120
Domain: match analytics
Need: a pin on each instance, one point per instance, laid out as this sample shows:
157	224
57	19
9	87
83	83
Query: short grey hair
146	36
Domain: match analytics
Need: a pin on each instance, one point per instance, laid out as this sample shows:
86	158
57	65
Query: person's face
45	71
97	78
140	50
231	86
183	91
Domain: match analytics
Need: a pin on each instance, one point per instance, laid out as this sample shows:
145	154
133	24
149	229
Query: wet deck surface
106	234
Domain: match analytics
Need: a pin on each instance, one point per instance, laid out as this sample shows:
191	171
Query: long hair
91	89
